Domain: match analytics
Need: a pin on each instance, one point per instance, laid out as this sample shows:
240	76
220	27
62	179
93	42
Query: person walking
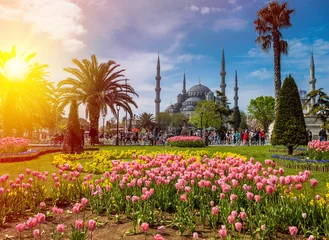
92	134
156	136
322	134
262	137
205	136
309	135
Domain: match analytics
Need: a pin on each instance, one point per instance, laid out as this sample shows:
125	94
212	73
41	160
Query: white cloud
232	1
232	23
194	8
59	19
205	10
261	74
237	9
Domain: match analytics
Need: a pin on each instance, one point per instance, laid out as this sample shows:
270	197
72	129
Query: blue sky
188	34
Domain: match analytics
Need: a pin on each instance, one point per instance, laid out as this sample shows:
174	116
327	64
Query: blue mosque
188	100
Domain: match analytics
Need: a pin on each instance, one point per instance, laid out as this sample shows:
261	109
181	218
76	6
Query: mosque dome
189	108
198	90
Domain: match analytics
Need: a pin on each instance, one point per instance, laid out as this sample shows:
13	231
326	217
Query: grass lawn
260	153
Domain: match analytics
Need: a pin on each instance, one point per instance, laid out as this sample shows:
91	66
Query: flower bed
101	161
318	150
316	158
230	196
13	145
27	155
185	141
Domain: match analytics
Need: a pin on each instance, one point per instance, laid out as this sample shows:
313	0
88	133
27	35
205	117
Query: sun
15	70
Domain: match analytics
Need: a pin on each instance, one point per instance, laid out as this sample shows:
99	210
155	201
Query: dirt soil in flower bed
110	229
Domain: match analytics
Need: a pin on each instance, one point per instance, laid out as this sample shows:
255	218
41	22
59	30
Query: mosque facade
187	100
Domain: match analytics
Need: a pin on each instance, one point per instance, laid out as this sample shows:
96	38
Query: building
188	100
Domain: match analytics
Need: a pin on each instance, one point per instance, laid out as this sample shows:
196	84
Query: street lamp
118	109
201	114
126	129
103	126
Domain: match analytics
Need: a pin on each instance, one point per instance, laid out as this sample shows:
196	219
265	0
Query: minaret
236	97
184	85
157	90
223	74
312	80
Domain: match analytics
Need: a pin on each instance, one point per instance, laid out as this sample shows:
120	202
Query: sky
188	35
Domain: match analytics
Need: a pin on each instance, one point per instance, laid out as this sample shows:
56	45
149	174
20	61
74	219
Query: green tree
177	119
262	109
270	21
24	92
223	110
321	107
146	121
243	124
236	118
289	126
210	115
164	120
99	87
73	140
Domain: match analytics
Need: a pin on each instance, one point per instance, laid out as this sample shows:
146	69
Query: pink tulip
222	233
20	227
183	197
161	229
233	197
31	223
317	197
60	228
195	235
214	210
257	198
60	211
293	230
145	227
135	199
230	219
36	233
263	227
311	237
41	218
79	224
84	201
250	196
42	205
313	182
91	225
222	195
238	226
158	237
304	215
234	213
243	215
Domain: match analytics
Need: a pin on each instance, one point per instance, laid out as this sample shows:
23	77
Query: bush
289	126
73	137
185	141
13	145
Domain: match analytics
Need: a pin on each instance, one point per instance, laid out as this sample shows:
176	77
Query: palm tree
321	107
23	92
270	20
146	120
99	87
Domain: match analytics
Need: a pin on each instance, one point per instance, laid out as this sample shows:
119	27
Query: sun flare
15	69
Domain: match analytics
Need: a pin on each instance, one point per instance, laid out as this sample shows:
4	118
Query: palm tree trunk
94	119
277	68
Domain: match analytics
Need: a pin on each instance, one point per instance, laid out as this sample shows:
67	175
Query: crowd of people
231	137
